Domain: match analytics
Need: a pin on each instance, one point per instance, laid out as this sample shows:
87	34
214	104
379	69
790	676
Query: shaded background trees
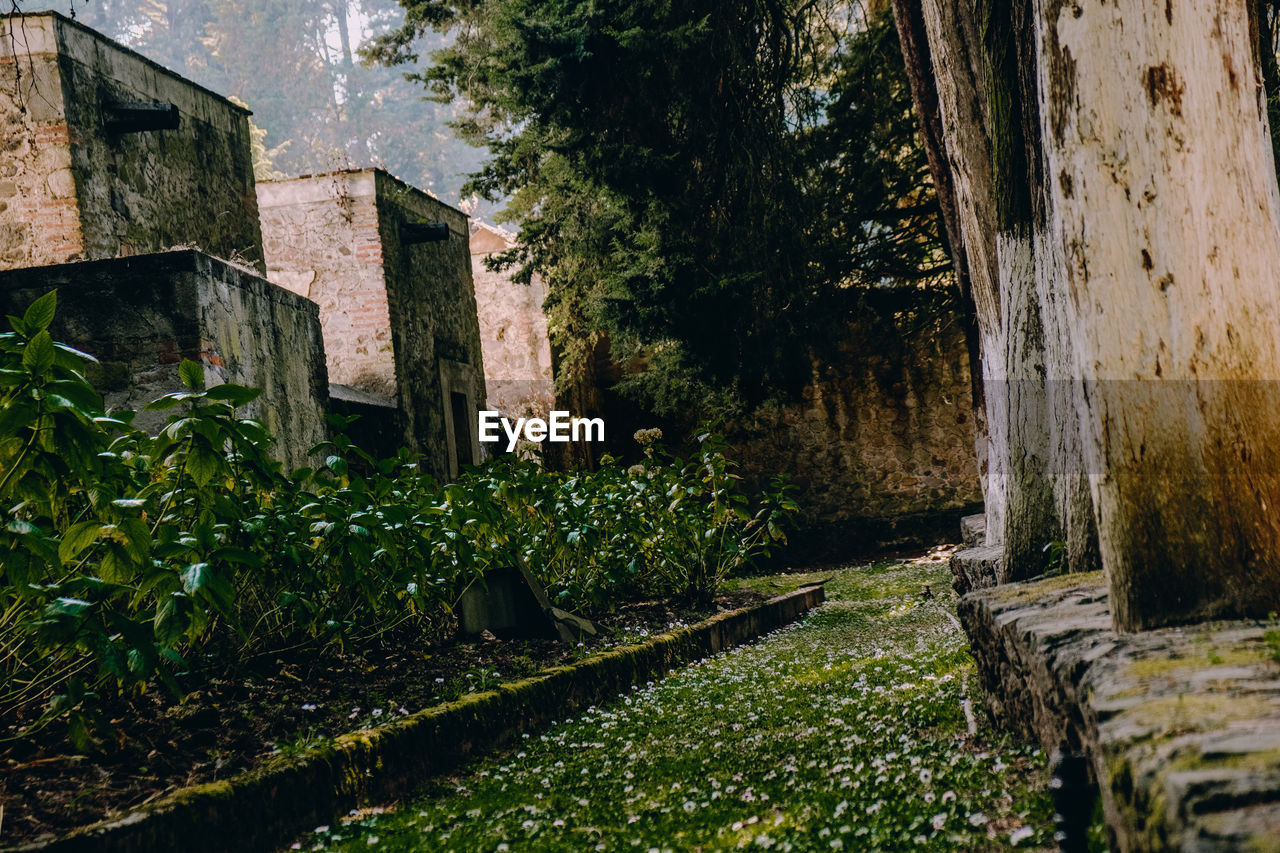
708	185
295	63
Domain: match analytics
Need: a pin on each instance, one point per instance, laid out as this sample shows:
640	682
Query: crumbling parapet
109	154
390	269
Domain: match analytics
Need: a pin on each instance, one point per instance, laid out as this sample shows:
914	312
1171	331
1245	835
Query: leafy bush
128	559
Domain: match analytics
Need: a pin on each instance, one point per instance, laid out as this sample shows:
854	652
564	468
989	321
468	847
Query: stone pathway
848	731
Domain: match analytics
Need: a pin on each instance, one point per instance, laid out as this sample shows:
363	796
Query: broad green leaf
70	350
77	538
192	374
79	393
13	378
236	395
168	401
172	617
67	606
38	356
40	313
195	577
203	465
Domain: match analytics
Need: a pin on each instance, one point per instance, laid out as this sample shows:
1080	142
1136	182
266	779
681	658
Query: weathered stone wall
883	433
519	380
321	240
399	316
1180	727
72	187
142	316
435	327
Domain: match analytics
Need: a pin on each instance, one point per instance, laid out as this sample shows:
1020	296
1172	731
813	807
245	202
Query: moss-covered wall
884	432
142	316
435	326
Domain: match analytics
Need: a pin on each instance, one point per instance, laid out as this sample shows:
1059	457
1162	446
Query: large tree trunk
1166	218
986	156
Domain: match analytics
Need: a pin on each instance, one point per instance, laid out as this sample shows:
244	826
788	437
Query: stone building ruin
519	378
390	269
108	154
130	190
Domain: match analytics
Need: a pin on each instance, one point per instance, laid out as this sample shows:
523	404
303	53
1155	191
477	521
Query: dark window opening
461	429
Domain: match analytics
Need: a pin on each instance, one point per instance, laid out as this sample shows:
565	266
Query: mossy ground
845	731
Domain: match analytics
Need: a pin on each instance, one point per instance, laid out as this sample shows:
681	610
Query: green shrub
128	559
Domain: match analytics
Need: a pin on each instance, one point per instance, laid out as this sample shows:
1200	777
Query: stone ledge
975	568
262	808
1180	726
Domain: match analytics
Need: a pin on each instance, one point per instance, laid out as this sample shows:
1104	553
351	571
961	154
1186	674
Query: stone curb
1180	726
264	808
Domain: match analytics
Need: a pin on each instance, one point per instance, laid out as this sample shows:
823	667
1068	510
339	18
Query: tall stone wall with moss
74	184
882	440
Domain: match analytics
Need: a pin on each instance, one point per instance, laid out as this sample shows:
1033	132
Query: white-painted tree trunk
968	151
1166	218
1020	504
1064	418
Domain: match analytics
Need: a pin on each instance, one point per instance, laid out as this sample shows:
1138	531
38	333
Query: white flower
1021	834
939	820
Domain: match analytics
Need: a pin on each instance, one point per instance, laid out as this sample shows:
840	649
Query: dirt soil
280	704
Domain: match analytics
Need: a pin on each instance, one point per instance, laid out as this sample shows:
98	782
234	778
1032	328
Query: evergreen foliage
706	183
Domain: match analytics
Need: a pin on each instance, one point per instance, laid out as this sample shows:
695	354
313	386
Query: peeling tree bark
1166	215
968	172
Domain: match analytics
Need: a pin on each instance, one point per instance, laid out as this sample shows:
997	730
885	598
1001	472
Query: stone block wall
141	316
74	184
399	314
519	379
883	437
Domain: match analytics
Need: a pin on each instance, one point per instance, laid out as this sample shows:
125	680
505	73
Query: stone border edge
261	809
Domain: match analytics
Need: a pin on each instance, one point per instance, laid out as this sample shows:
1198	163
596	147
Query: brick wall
513	331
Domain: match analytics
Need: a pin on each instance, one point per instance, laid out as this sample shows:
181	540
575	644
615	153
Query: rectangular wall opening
461	429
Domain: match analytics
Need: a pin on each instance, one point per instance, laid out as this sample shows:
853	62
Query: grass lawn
846	731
